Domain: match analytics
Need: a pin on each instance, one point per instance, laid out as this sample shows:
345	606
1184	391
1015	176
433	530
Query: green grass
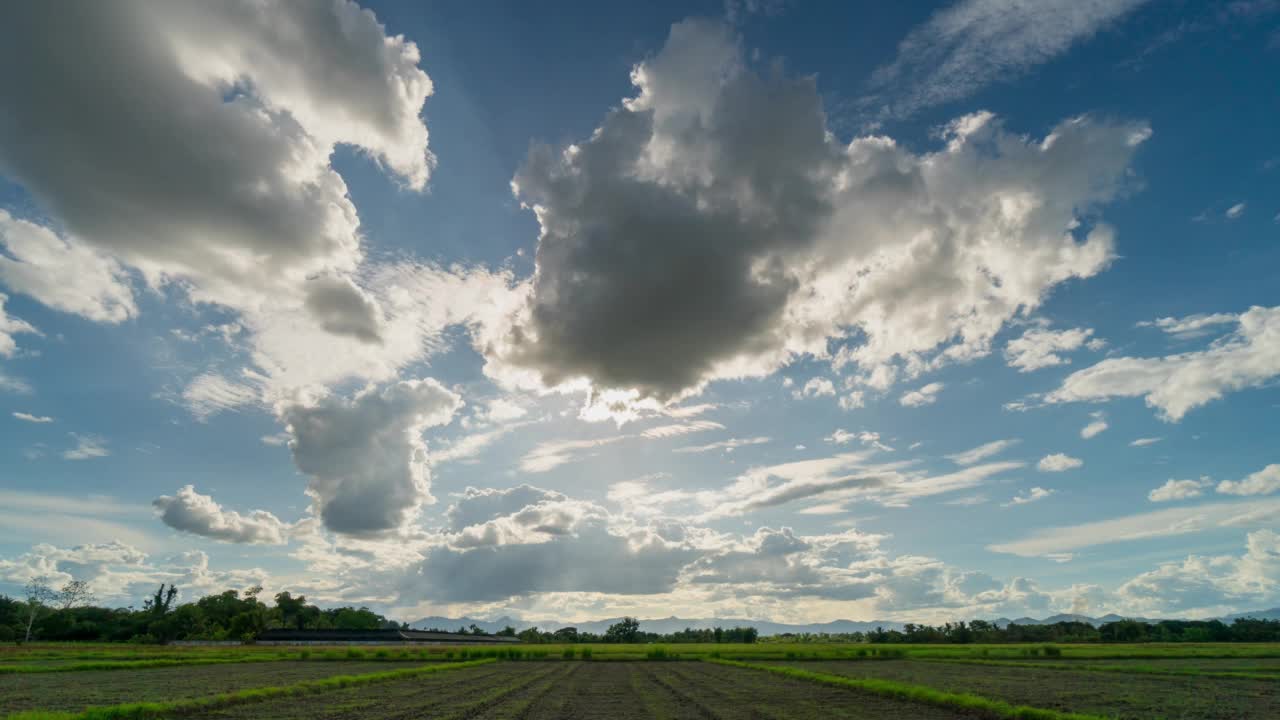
138	711
920	694
1139	669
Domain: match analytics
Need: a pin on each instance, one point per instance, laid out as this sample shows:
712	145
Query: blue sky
758	309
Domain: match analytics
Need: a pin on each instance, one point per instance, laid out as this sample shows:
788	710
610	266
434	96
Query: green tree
625	631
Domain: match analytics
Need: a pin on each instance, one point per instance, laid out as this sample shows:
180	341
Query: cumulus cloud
1212	584
682	242
365	456
1039	348
1095	426
1234	212
62	274
1058	462
28	417
1176	384
926	395
866	437
1179	490
975	43
1263	482
190	512
816	387
274	86
87	447
982	452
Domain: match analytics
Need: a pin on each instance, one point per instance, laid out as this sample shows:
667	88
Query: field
768	680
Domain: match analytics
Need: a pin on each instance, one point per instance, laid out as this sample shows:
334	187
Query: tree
292	608
160	603
38	593
75	594
624	631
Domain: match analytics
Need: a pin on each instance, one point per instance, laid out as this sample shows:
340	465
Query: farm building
376	637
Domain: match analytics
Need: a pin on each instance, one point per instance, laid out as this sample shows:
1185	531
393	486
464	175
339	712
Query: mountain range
675	624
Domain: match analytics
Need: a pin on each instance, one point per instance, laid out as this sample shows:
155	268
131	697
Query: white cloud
87	446
500	410
852	401
1142	526
975	43
1192	326
62	274
1179	490
1235	211
28	417
866	437
666	431
275	87
727	445
1144	442
816	387
730	254
191	512
1096	426
926	395
550	455
1028	496
1039	348
982	452
1263	482
210	393
365	457
1177	384
1058	462
1201	585
10	326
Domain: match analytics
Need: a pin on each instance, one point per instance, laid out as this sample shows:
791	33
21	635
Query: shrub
382	654
1052	651
586	653
791	654
567	654
304	655
355	654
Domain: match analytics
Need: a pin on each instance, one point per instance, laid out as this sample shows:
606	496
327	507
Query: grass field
768	680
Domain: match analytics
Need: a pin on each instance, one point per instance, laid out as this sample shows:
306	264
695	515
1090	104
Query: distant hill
674	624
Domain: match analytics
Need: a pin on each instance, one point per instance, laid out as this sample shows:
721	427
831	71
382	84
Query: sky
782	311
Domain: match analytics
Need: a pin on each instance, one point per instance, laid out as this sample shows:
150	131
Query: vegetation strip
1122	669
131	664
919	693
137	711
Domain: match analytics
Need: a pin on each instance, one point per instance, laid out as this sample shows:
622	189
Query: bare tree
38	593
75	594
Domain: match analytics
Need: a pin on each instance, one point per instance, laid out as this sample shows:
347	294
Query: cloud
1058	462
1234	212
975	43
28	417
1192	326
667	431
1263	482
926	395
982	452
343	308
1038	348
1200	585
1029	496
364	455
683	243
274	86
727	445
1142	526
1143	442
866	437
87	447
1096	427
1179	490
191	512
10	326
550	455
816	387
62	274
1176	384
211	393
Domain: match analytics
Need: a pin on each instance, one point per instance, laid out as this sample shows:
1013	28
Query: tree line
69	613
1120	631
628	630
